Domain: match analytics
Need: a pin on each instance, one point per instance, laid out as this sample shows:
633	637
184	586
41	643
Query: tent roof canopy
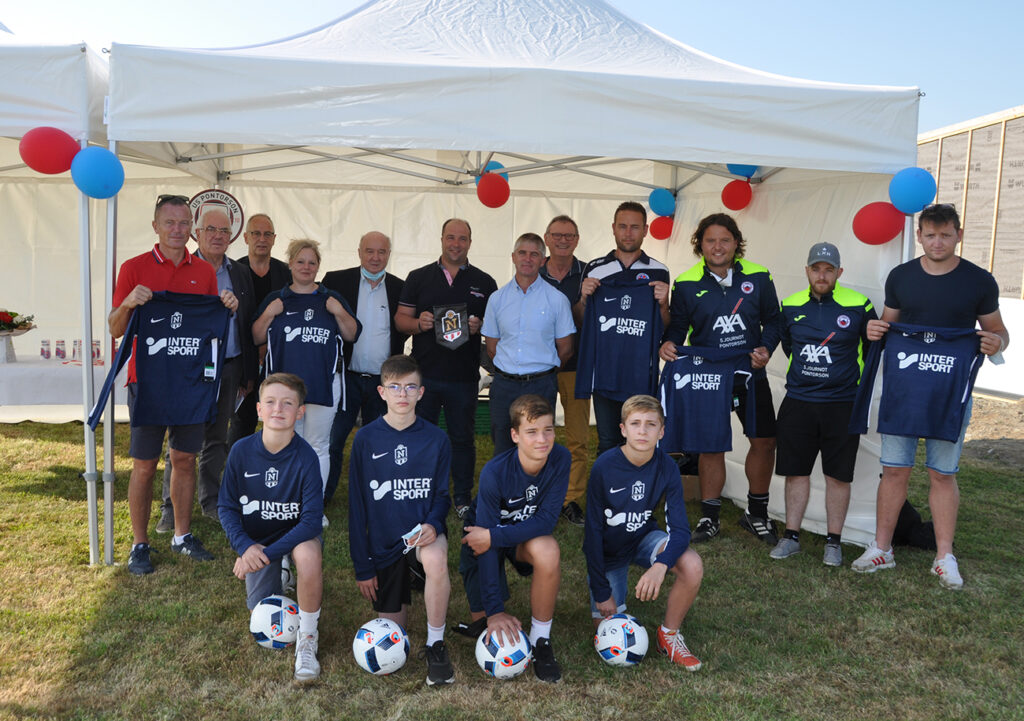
554	78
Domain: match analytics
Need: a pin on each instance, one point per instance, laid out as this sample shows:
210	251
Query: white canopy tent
383	118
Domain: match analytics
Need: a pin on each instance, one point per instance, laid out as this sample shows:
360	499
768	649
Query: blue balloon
662	202
746	171
911	189
490	168
97	172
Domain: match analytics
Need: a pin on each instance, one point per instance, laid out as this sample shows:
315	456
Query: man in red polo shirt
167	267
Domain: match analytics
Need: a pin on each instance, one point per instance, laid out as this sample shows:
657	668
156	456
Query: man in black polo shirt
442	308
565	271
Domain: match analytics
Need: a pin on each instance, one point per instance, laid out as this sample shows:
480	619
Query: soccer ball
380	646
621	640
274	622
506	661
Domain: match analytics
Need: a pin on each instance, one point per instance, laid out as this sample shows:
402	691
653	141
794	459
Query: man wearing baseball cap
824	334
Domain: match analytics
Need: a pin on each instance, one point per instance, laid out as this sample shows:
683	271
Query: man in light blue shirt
528	332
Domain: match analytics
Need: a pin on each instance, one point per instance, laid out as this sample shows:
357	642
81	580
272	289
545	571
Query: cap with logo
824	253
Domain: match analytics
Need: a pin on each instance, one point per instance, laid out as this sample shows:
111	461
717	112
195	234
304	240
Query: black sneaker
473	629
706	530
192	546
573	513
461	510
762	528
439	666
138	560
545	667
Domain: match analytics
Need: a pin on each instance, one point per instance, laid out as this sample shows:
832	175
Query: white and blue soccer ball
506	661
274	622
621	640
381	646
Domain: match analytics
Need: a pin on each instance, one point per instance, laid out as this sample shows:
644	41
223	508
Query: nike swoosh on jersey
616	490
609	300
251	475
379	455
515	500
157	320
290	312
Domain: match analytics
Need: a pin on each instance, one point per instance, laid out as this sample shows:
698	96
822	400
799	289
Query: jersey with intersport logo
619	339
744	314
696	393
274	499
305	340
826	343
621	501
178	342
396	480
927	378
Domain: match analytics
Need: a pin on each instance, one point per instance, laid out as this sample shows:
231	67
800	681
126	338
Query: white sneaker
874	559
307	668
948	572
287	575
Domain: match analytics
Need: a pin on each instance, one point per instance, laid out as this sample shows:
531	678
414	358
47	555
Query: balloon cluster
96	171
492	187
737	194
663	204
910	190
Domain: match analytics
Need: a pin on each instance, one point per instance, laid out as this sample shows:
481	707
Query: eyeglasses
267	234
398	390
210	230
564	236
172	199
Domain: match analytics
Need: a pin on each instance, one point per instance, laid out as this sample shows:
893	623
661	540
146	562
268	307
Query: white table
50	391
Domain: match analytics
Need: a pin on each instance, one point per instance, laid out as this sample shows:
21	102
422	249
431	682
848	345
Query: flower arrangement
10	320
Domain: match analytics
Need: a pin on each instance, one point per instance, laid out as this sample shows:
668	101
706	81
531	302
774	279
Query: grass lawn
779	640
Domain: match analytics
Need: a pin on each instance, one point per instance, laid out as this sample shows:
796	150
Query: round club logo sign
843	321
747	287
206	201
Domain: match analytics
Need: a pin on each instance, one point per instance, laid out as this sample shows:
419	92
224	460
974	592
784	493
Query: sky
964	57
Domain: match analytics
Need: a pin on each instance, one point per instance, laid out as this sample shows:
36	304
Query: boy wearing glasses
398	500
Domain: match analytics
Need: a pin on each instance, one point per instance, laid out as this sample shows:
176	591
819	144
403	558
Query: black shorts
807	428
394	583
764	413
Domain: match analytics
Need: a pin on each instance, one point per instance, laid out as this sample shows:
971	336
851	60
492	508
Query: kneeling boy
512	518
626	484
271	503
398	500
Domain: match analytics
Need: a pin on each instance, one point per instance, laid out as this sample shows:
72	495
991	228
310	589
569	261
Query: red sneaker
675	648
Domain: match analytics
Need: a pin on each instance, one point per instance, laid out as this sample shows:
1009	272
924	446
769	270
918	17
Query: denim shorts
618	577
941	456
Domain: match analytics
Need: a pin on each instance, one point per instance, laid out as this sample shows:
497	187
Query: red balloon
661	228
48	150
878	223
492	190
736	195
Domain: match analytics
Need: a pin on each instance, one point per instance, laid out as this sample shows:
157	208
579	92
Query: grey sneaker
706	530
833	555
785	548
166	522
193	547
307	668
138	560
439	665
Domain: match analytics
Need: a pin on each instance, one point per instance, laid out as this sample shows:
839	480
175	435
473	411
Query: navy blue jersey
179	353
305	340
826	343
618	352
396	479
743	315
696	392
274	499
516	507
621	500
927	377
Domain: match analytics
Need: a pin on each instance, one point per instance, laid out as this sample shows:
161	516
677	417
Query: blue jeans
940	456
458	398
361	396
608	416
618	576
503	393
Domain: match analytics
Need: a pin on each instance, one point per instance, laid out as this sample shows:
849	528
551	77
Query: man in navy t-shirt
941	290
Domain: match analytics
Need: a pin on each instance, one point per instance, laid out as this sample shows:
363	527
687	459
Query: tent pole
90	474
108	419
